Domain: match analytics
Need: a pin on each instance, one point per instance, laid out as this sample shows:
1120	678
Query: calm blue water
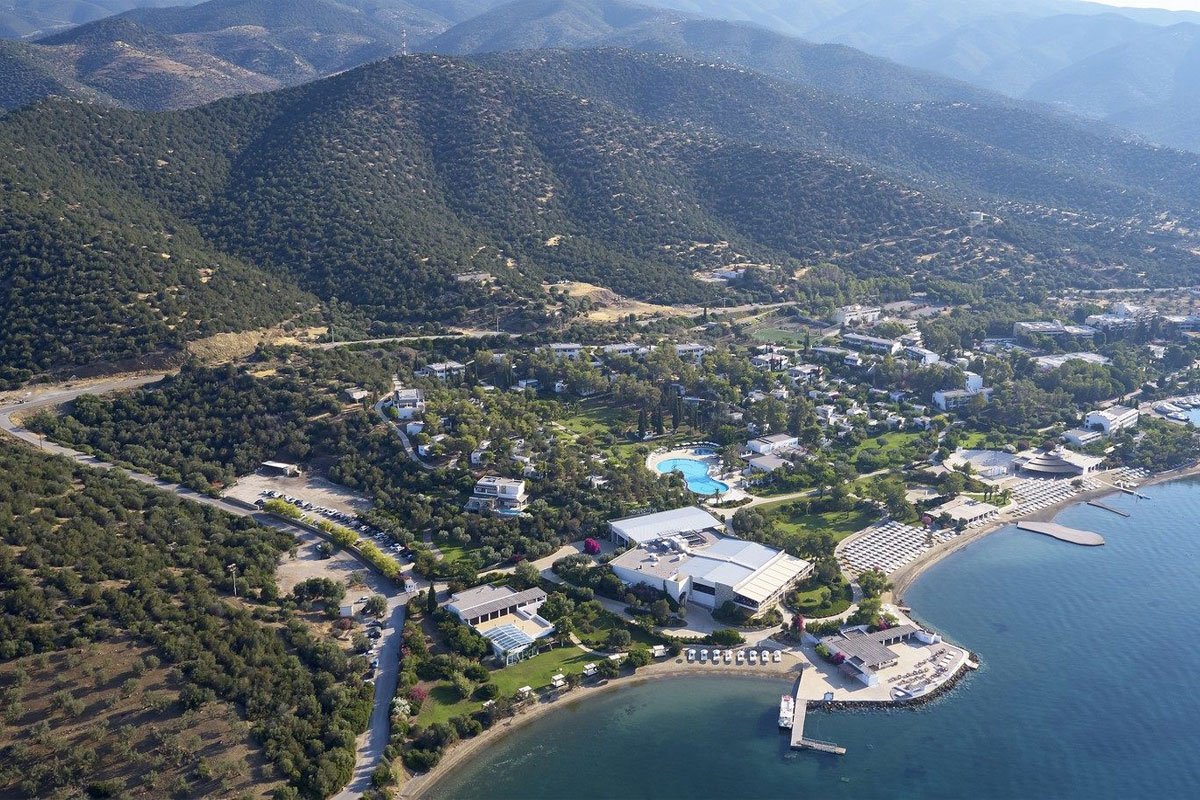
1193	415
1090	658
695	474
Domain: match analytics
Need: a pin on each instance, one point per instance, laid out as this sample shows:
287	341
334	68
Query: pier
1063	533
1116	511
799	742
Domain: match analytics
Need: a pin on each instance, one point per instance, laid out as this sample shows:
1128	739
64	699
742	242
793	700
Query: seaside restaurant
863	654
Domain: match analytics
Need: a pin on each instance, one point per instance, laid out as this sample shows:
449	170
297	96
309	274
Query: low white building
1082	437
766	464
777	442
634	531
507	619
871	344
692	351
922	356
1111	420
493	493
953	399
770	361
857	315
568	350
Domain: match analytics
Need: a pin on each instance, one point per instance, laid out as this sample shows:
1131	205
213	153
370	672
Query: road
404	440
426	337
371	744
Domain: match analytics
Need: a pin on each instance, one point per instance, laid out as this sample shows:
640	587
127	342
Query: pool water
695	474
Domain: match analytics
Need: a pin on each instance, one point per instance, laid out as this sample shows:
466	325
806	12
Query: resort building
568	350
861	655
692	352
857	315
493	493
805	372
639	530
1048	363
507	619
1053	329
769	361
1110	420
775	443
966	511
443	370
953	399
871	344
767	464
922	356
1060	463
711	570
1082	437
408	402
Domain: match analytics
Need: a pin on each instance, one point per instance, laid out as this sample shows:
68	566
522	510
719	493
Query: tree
591	547
617	639
661	610
727	637
608	669
874	583
527	575
375	606
431	603
867	612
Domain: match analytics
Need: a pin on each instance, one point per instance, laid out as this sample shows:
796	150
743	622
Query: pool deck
709	459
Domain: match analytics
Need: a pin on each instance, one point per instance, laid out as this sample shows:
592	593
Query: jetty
1063	533
801	742
1106	507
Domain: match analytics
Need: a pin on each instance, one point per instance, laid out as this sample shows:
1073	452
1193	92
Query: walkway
404	440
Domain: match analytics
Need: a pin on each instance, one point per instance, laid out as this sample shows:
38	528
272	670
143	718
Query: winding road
371	744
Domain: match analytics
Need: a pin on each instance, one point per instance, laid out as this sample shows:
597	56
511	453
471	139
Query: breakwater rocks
908	702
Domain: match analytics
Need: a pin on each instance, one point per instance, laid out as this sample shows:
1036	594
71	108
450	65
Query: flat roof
868	649
485	599
768	463
649	527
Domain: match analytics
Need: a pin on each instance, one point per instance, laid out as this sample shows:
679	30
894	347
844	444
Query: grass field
778	336
839	524
887	443
810	602
443	704
605	623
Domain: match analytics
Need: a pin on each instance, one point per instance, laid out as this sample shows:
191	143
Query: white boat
787	710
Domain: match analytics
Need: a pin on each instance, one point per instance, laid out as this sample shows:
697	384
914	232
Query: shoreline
420	786
906	576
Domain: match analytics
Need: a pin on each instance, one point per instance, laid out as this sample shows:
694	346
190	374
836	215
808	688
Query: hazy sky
1175	5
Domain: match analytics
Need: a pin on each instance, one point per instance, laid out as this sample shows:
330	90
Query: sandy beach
908	575
422	785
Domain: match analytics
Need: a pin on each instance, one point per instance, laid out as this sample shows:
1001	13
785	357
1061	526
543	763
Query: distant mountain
127	233
158	58
1133	67
533	24
21	18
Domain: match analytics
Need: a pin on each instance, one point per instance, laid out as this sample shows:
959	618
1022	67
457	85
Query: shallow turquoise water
695	474
1089	659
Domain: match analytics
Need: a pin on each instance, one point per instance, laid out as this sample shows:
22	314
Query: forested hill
540	24
126	232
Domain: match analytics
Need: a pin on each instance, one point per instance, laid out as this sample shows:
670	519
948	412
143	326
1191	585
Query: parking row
749	656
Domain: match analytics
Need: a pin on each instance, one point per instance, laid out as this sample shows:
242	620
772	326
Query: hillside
633	172
1132	67
160	58
537	24
21	18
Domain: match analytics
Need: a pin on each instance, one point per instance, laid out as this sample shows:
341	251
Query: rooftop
868	649
649	527
485	599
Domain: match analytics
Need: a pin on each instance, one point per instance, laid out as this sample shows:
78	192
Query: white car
691	655
753	656
704	655
728	656
777	656
741	656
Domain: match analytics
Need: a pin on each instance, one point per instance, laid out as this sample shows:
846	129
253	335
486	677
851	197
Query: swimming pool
695	474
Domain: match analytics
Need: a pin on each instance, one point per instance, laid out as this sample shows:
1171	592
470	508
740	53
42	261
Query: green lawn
887	443
809	602
593	417
778	336
605	623
839	524
443	703
450	552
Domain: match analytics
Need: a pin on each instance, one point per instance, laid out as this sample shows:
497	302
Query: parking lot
310	489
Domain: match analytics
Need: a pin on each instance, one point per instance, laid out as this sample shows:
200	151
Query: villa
507	619
857	314
493	493
692	352
711	570
568	350
443	370
408	402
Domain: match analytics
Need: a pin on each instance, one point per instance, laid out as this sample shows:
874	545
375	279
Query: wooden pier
799	742
1063	533
1116	511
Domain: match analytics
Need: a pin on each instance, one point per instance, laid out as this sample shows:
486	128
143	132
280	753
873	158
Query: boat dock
1063	533
1116	511
799	742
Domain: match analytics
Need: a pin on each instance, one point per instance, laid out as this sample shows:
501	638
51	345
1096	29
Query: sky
1174	5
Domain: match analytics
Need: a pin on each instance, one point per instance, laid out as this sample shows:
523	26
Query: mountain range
1138	69
129	233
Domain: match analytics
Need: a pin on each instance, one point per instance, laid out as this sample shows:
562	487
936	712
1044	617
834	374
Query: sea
1089	688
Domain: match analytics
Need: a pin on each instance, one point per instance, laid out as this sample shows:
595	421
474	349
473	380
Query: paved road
372	743
404	440
426	337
